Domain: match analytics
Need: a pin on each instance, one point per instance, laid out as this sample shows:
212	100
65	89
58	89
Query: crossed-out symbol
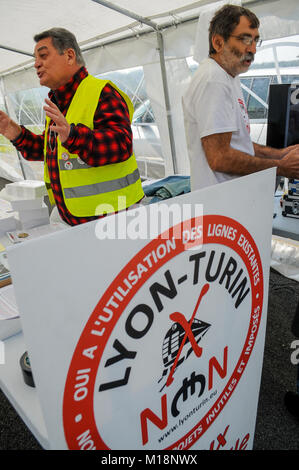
179	318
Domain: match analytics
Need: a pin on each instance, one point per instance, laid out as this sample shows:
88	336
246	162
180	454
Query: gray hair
225	21
62	40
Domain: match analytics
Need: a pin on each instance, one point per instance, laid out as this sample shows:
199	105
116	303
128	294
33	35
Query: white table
22	397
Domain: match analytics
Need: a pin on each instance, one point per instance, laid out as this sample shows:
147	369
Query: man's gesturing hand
61	125
10	129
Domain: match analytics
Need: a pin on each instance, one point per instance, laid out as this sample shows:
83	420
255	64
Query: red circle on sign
80	428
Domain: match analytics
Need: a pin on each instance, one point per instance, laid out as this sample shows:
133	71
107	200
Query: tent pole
167	101
162	65
128	13
15	50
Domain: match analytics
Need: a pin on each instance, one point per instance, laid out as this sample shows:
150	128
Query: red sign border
72	409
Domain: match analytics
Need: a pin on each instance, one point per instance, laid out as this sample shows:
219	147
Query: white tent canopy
157	35
93	23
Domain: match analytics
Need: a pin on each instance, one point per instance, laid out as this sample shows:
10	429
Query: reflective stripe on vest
105	187
86	188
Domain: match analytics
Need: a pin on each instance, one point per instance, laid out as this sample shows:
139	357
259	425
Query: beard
235	62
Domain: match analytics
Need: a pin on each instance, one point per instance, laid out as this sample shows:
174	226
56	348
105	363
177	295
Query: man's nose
251	48
37	63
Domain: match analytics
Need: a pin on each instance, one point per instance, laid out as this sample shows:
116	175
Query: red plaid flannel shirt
109	142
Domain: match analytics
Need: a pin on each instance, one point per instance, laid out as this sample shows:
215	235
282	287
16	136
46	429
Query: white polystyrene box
27	204
27	189
33	214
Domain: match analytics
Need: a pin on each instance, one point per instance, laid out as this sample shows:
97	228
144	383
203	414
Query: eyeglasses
248	40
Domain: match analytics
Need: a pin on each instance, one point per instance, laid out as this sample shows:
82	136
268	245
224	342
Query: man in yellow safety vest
90	167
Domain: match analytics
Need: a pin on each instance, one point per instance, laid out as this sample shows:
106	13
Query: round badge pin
68	165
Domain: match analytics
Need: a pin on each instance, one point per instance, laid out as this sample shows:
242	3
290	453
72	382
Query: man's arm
224	158
264	151
29	144
10	129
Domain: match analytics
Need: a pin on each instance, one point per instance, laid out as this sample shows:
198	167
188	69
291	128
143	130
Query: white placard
152	343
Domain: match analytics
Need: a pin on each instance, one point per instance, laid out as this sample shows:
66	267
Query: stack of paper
8	304
9	315
5	277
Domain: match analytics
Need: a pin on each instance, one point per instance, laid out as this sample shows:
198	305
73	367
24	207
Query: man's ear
218	42
71	56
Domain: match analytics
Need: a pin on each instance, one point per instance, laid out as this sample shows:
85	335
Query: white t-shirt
213	104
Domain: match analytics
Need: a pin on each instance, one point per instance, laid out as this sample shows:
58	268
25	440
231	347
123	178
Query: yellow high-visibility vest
89	191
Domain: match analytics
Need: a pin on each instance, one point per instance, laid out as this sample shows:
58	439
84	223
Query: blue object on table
168	187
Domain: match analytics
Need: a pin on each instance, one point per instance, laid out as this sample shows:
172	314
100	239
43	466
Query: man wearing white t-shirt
216	119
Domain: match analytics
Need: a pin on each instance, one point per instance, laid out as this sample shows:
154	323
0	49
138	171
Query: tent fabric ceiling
20	20
91	22
96	25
